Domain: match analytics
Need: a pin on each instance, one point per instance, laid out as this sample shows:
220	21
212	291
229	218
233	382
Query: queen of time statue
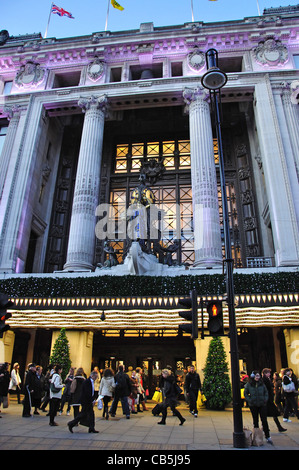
139	215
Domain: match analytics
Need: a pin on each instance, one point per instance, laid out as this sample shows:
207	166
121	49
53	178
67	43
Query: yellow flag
116	5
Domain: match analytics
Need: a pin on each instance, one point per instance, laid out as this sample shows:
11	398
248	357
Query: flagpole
107	16
258	7
192	11
48	21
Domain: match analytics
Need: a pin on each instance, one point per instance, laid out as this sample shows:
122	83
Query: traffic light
4	315
189	303
215	322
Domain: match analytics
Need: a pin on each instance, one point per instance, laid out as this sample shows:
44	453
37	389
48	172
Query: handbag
53	388
289	387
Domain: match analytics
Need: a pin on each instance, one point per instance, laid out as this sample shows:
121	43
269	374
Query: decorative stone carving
295	92
196	60
271	52
30	75
95	69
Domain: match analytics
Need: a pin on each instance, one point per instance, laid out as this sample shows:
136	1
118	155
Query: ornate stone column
281	203
81	244
13	114
207	234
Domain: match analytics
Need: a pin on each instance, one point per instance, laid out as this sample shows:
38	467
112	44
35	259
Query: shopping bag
100	404
5	401
257	437
157	396
200	400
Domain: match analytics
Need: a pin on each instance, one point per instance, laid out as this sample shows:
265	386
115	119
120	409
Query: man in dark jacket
29	389
87	401
122	391
192	387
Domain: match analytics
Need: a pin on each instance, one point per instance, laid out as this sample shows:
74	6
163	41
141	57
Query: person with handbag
107	386
272	409
56	387
256	395
192	387
289	393
170	393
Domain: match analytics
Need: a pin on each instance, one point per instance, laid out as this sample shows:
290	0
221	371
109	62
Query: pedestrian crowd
270	396
264	394
78	392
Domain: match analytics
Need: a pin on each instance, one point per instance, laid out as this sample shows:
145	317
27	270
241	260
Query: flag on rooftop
116	5
60	11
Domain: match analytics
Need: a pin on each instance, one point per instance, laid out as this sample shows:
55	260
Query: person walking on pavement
289	392
140	391
170	394
106	389
4	384
256	395
66	396
87	401
192	387
29	389
272	410
15	381
122	392
75	390
56	387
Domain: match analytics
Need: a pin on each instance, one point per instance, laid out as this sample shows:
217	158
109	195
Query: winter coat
107	386
57	382
255	393
122	384
192	382
76	390
272	410
169	391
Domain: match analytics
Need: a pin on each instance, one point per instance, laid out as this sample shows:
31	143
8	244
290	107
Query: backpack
120	381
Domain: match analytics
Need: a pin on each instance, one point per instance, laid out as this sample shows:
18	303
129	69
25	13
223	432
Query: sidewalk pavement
211	430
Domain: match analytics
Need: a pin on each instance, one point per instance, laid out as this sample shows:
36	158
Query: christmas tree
216	384
61	353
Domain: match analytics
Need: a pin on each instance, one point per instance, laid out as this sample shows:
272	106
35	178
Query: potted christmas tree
216	384
61	353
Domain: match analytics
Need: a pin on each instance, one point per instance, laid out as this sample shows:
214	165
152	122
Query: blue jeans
124	404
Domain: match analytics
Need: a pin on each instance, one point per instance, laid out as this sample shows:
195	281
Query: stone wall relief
30	75
196	60
95	69
271	52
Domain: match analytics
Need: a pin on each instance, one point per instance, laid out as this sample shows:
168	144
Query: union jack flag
61	11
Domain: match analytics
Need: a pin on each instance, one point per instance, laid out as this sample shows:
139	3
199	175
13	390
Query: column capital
295	92
193	94
13	110
96	102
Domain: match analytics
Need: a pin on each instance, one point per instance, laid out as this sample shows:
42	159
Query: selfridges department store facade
84	121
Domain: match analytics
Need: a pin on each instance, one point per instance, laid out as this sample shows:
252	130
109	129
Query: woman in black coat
272	410
170	397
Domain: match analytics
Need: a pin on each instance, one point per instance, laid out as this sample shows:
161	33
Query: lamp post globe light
214	79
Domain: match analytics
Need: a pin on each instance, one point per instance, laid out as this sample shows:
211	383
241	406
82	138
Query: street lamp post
214	79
